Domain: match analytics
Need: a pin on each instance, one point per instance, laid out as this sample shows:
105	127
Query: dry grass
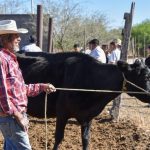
136	111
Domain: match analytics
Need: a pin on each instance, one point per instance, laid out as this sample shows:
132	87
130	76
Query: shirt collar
12	55
97	48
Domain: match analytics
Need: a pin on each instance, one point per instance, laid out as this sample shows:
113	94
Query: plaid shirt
13	90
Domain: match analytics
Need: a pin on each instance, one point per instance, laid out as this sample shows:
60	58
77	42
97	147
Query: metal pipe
50	35
39	26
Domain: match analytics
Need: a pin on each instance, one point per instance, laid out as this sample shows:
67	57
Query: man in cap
31	47
13	90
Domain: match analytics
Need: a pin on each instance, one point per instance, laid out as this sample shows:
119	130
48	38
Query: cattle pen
78	117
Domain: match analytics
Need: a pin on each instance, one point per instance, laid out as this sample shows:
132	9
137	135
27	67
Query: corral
131	132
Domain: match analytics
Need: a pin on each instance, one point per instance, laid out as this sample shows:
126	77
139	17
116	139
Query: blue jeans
15	137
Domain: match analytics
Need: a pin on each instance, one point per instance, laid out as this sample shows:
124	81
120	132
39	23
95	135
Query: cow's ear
138	64
123	66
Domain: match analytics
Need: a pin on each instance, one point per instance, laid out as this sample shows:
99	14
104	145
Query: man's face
92	46
112	47
15	42
77	49
10	41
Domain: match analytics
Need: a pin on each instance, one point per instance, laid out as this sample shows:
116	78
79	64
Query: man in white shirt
113	57
115	53
96	51
32	47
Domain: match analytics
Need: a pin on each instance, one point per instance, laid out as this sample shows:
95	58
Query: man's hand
22	120
49	88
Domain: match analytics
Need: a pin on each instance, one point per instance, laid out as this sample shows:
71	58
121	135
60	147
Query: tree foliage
12	7
141	33
71	26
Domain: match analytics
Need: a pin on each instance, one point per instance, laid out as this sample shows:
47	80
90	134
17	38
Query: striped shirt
13	90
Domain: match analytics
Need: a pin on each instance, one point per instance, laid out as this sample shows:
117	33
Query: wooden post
84	39
39	29
125	46
138	52
50	36
144	47
133	47
135	43
127	32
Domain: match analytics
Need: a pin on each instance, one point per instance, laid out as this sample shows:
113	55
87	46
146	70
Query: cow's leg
85	130
59	133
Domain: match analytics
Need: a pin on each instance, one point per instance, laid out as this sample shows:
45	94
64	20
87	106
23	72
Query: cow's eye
147	78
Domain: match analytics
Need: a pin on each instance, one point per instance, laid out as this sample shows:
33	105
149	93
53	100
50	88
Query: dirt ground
130	133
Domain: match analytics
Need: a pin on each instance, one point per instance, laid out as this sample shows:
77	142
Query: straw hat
117	41
9	26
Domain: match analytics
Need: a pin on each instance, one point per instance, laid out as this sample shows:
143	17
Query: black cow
76	70
147	61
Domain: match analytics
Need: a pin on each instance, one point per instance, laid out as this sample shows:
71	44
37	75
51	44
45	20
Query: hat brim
20	30
118	44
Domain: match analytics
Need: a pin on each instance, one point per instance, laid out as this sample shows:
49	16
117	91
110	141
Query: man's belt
3	114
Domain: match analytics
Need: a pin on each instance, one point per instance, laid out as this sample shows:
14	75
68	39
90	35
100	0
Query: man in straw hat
13	90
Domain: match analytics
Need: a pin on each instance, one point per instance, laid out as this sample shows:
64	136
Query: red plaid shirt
13	90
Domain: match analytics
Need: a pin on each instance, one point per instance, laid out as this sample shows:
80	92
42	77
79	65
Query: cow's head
139	74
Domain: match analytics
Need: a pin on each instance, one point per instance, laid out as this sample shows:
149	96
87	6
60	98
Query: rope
134	84
110	91
100	91
45	121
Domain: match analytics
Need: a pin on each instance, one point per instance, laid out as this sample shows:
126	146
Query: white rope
109	91
100	91
45	121
135	85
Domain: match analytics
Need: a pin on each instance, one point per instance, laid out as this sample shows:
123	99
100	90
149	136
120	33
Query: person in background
96	51
76	47
105	49
87	51
113	57
115	51
148	50
13	90
31	47
119	43
147	60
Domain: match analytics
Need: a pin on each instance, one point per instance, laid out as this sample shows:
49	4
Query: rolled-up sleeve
34	89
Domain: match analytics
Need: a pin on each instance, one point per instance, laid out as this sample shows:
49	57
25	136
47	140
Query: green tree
141	33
